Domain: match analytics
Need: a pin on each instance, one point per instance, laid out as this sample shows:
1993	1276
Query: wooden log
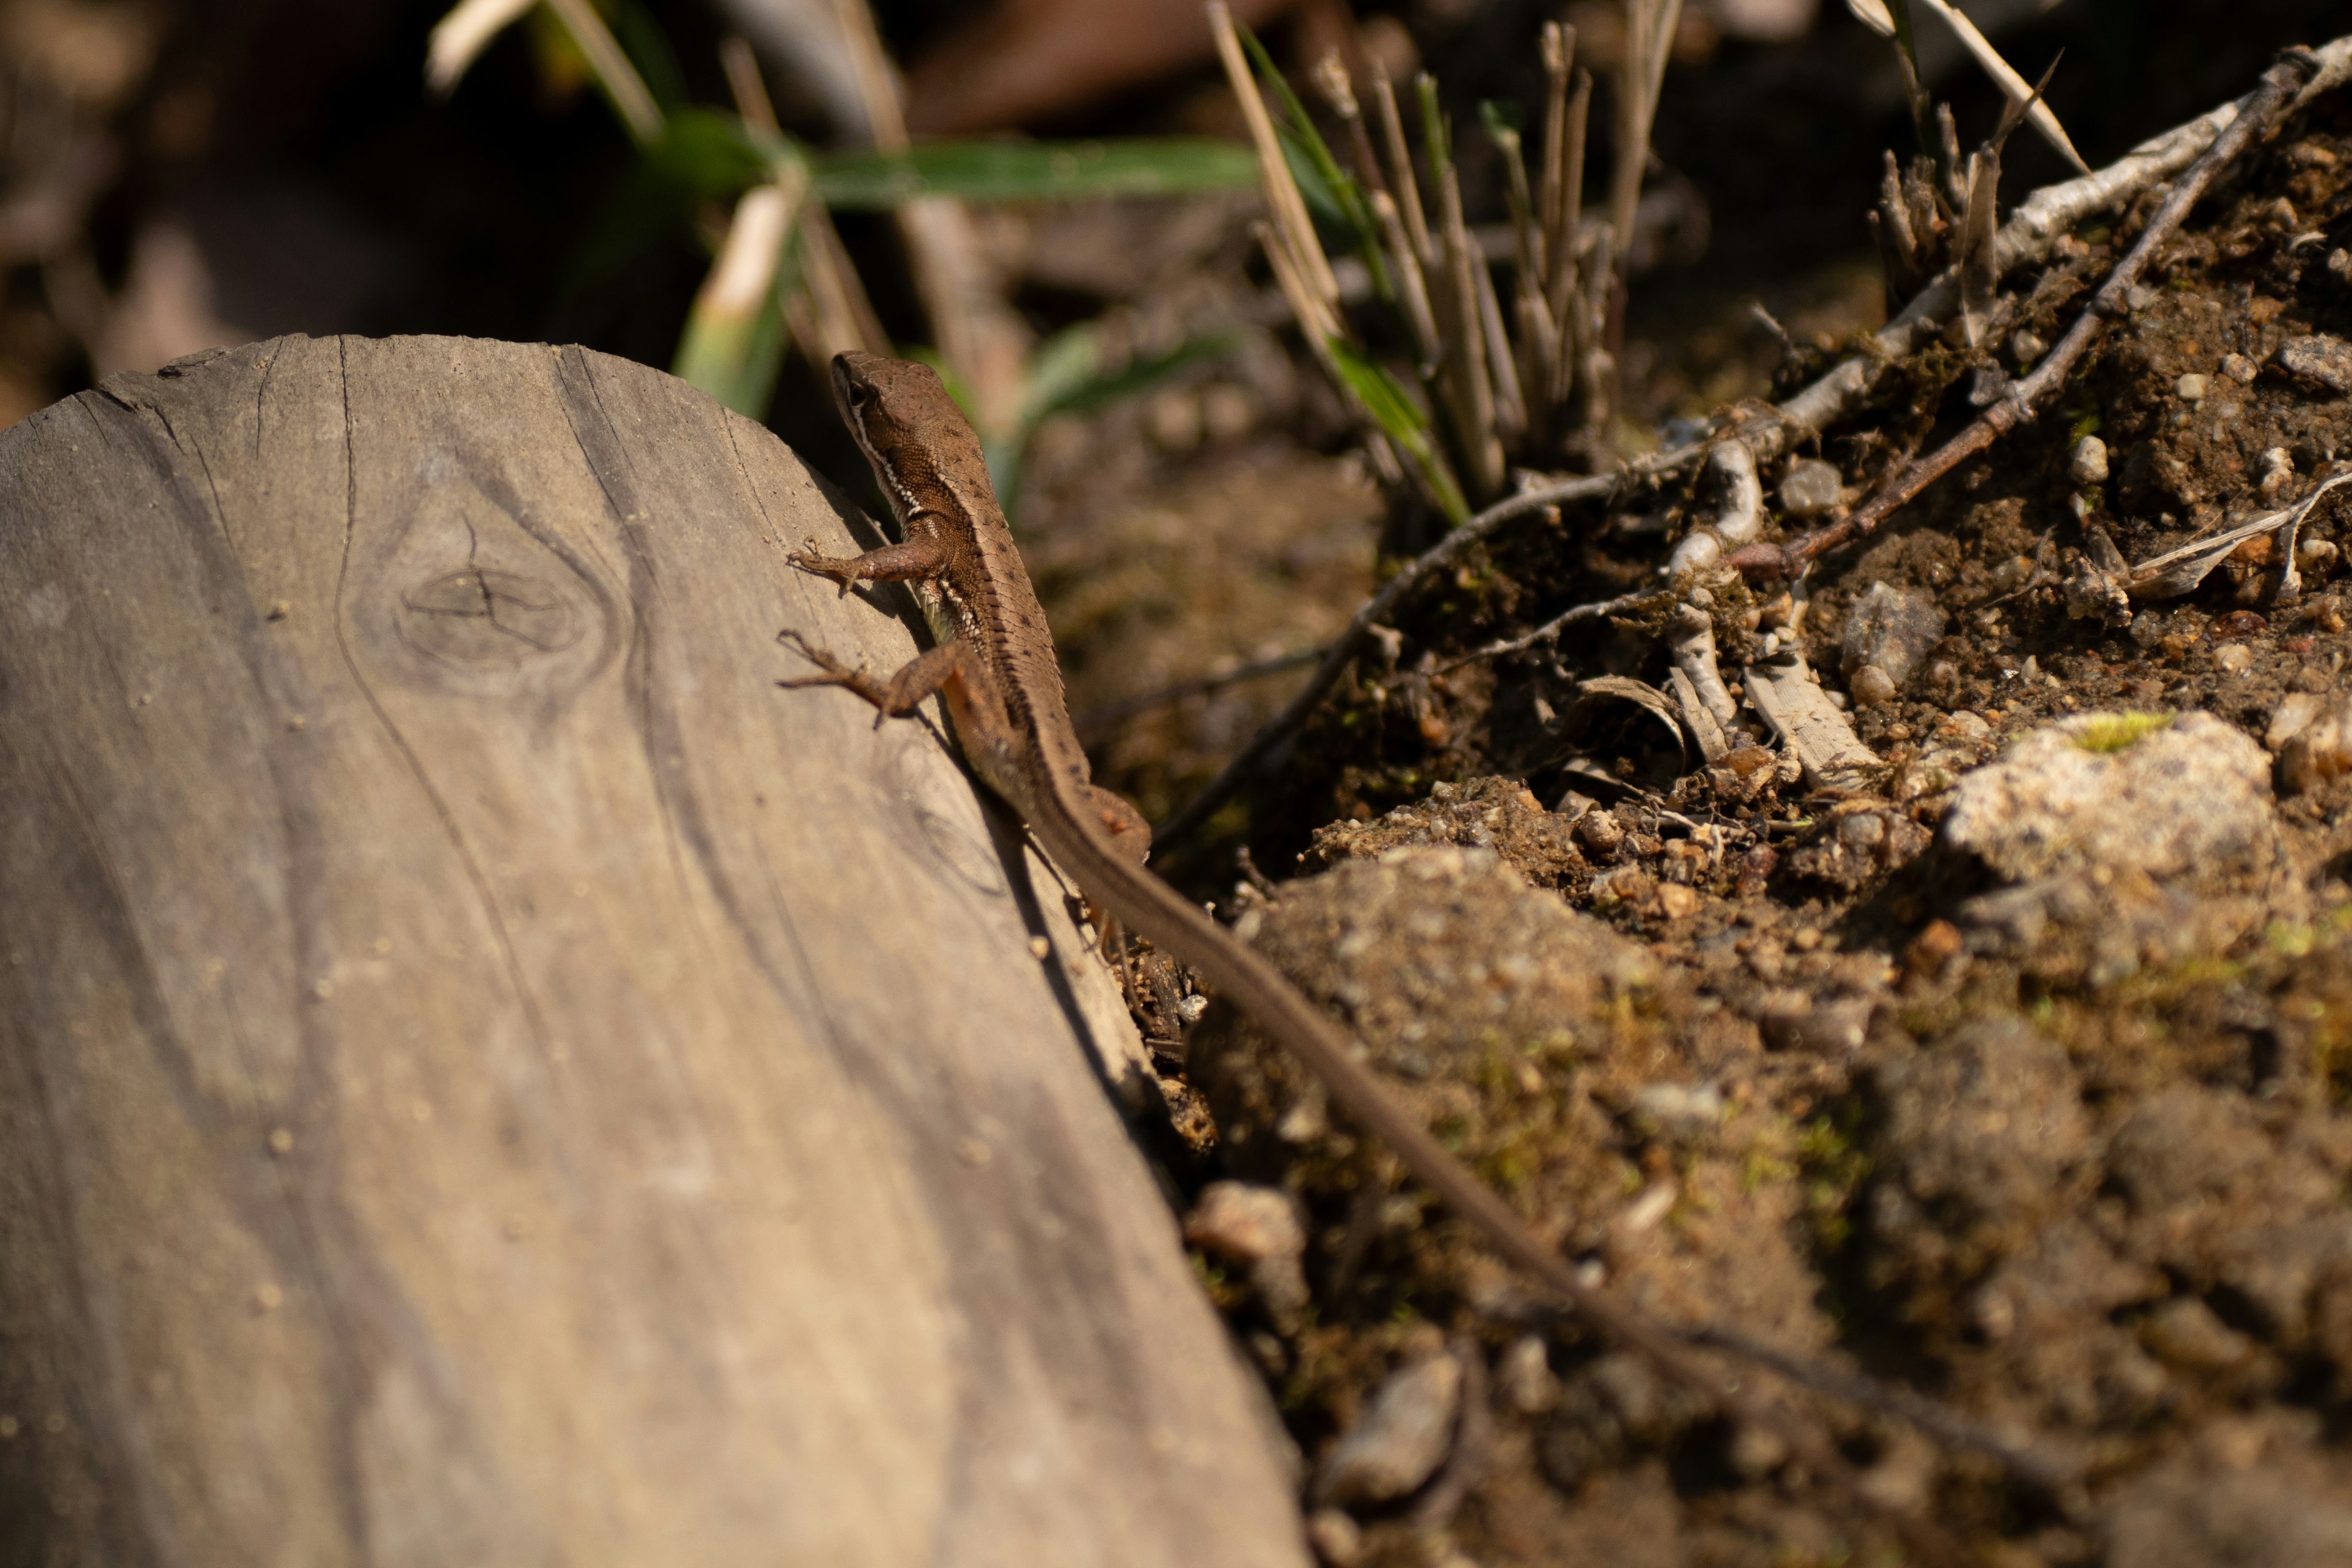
485	1078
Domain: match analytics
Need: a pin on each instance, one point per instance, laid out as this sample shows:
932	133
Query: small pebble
1526	1379
2191	387
1872	686
1892	629
2316	554
2238	368
1173	420
2340	262
1407	1429
2025	347
2089	464
1338	1540
1600	831
2319	358
1680	1109
2315	750
1811	487
1247	1222
1677	903
2278	473
2230	658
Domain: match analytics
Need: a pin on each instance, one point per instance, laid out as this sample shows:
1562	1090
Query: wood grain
485	1078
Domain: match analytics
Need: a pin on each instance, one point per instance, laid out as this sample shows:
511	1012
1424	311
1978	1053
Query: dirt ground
2010	1067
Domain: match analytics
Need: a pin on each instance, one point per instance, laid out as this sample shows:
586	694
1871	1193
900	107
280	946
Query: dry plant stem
1649	39
2279	86
1470	392
841	317
1502	366
1447	552
977	332
605	57
1412	286
1561	622
747	86
2032	229
1558	53
2048	1473
1408	189
1290	216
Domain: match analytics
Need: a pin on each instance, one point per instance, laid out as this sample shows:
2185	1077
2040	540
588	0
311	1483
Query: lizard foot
806	558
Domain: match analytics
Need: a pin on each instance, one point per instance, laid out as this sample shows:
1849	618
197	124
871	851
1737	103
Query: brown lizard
994	666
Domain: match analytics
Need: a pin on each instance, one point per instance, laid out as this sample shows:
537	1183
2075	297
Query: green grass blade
865	180
1402	420
733	350
1138	375
1340	195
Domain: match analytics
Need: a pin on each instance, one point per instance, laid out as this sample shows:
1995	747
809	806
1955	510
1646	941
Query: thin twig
2028	235
1447	552
2261	107
1559	623
1953	1428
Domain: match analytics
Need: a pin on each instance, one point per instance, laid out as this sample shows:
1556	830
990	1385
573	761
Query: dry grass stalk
1642	75
1408	190
2280	86
622	84
1463	369
978	335
1294	229
2032	229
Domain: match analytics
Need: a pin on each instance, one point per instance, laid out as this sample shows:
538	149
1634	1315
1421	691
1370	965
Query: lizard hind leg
902	694
1130	835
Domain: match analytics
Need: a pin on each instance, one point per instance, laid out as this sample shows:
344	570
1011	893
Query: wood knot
479	617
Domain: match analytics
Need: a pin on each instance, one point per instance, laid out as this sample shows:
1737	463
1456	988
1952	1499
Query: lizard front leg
915	560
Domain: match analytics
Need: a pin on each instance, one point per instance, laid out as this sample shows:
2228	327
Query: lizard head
909	429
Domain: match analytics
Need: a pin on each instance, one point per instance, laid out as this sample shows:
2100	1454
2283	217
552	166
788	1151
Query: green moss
1834	1168
2115	731
2291	938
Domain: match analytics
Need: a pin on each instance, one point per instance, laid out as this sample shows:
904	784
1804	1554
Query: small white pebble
2238	368
2278	473
2089	465
2231	658
1040	948
2191	387
2316	554
1872	686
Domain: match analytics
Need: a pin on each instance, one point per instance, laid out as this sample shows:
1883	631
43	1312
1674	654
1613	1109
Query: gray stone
1245	1223
2089	463
2316	750
1892	628
1811	487
2185	796
1871	686
1404	1437
2322	359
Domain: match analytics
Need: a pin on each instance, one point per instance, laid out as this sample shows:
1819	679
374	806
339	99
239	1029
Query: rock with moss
2184	796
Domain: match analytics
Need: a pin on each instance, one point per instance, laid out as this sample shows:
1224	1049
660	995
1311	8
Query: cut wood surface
485	1077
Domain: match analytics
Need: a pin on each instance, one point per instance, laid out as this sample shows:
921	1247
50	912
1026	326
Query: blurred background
1194	495
178	173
